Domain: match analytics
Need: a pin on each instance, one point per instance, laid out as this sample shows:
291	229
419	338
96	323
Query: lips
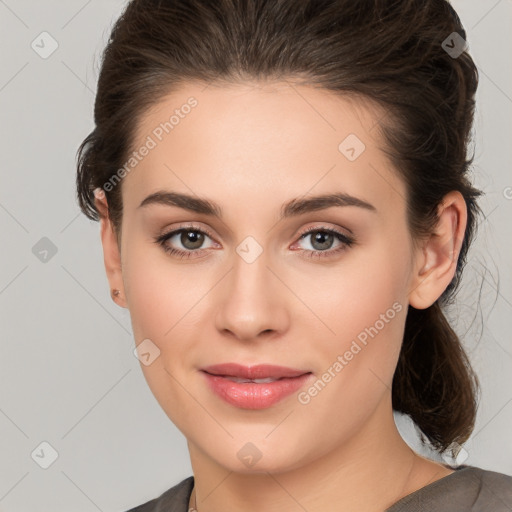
254	387
259	373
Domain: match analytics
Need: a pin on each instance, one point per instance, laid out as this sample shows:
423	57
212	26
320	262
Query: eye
192	238
322	239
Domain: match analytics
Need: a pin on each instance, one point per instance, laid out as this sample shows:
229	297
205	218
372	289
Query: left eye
323	238
192	239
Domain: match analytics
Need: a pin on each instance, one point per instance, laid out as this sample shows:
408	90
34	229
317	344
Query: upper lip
260	371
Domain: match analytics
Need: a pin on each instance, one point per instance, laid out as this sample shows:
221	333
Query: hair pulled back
389	51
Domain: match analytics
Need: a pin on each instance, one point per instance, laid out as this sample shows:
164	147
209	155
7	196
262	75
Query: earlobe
111	252
437	259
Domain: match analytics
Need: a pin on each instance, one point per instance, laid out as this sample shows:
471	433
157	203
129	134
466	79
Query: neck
369	472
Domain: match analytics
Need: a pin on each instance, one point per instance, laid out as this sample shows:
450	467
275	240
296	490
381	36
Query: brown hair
390	51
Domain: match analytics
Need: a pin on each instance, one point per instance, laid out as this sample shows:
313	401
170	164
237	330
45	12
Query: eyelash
346	241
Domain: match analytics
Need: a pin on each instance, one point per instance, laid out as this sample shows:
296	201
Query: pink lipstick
254	387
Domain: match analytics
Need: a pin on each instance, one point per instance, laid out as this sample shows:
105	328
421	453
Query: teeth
256	381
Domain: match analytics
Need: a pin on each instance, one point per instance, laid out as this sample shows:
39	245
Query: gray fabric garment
467	489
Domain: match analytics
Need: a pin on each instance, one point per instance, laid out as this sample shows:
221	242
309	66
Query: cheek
360	360
161	303
365	308
352	294
159	292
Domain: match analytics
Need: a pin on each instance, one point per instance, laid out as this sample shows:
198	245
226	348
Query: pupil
320	237
192	239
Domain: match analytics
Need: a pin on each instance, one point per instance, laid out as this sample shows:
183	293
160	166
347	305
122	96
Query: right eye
190	238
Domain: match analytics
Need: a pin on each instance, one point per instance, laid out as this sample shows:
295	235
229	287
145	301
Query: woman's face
247	288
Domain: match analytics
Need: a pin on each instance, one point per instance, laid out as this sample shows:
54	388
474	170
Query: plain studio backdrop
79	427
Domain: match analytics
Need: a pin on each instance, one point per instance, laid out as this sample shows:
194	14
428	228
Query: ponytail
434	383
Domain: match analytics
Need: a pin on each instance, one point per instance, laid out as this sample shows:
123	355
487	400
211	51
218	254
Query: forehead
278	139
262	107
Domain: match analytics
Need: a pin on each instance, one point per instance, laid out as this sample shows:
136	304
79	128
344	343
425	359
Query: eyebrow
292	208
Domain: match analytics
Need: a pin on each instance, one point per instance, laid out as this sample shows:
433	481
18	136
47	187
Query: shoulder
175	499
469	488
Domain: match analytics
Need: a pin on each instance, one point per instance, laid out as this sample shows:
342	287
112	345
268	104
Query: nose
253	301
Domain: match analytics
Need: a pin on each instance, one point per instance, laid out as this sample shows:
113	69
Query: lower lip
250	395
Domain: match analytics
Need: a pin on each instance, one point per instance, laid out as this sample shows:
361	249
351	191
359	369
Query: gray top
468	489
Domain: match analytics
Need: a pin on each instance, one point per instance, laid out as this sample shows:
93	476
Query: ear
111	252
436	261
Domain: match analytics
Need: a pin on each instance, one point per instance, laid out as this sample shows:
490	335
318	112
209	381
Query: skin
251	147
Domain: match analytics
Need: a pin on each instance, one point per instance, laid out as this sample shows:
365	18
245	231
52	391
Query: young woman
285	209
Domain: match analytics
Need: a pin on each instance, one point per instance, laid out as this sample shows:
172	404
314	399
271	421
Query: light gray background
68	375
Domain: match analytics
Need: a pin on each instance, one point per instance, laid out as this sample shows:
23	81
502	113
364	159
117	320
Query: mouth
261	373
254	387
255	381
